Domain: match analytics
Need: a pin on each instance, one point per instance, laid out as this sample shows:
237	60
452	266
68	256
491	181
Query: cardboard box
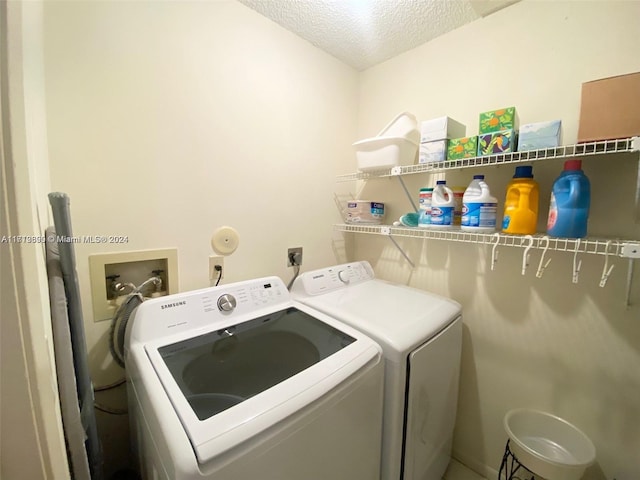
533	136
610	108
498	120
465	147
497	142
441	128
433	152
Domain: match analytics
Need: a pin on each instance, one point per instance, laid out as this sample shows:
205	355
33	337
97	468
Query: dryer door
432	400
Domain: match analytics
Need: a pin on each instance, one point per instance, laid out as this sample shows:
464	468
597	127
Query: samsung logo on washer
172	305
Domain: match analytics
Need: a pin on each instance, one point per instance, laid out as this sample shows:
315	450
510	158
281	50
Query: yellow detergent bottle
521	204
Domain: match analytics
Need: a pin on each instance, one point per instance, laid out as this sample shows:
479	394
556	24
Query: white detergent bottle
442	206
478	207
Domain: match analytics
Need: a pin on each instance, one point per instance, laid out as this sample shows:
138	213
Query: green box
498	120
497	142
465	147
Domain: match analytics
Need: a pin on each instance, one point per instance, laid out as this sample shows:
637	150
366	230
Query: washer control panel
334	278
244	297
156	318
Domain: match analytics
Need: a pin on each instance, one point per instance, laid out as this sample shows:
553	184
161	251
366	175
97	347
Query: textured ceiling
363	33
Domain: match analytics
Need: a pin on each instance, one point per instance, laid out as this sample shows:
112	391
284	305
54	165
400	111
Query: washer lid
266	368
399	318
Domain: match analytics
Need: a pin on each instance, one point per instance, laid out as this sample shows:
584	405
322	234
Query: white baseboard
464	468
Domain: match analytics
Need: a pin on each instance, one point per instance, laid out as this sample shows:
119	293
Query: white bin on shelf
547	445
396	144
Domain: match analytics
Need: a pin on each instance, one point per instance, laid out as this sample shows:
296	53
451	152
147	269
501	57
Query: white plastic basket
547	445
396	144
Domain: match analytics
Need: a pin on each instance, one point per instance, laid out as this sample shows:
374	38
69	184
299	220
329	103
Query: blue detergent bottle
570	201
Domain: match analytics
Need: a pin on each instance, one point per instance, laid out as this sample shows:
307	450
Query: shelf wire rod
406	257
637	199
595	246
409	196
629	283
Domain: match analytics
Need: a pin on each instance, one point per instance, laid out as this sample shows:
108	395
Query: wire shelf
596	246
627	145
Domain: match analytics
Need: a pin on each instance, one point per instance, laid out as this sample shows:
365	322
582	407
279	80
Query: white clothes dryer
421	337
239	382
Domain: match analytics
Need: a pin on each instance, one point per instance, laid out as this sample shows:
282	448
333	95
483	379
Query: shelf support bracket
629	283
406	191
387	231
635	146
630	250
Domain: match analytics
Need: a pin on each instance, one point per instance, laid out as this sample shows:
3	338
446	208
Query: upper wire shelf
626	145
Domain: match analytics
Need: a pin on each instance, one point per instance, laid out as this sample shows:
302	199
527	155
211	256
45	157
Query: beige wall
573	350
168	120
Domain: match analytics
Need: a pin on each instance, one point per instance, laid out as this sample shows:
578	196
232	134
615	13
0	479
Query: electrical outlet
294	256
213	273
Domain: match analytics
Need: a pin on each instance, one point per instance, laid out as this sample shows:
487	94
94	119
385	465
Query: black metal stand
510	465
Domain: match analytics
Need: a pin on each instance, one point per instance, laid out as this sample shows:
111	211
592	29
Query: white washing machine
421	337
240	382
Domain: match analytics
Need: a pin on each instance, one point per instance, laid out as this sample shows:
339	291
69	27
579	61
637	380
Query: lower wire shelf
607	247
598	246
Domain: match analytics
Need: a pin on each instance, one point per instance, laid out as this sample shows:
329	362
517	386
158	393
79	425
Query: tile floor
457	471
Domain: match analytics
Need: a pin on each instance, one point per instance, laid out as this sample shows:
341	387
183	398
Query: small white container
364	212
424	218
547	445
396	144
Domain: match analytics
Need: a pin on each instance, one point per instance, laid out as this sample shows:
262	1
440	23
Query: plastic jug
521	203
424	219
478	207
570	201
442	206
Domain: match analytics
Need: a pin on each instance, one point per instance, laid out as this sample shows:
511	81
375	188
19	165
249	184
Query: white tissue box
441	128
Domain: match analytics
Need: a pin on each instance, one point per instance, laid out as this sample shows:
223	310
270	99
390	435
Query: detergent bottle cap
573	165
441	182
478	177
524	172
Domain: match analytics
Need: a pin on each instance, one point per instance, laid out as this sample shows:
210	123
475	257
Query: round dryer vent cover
225	240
